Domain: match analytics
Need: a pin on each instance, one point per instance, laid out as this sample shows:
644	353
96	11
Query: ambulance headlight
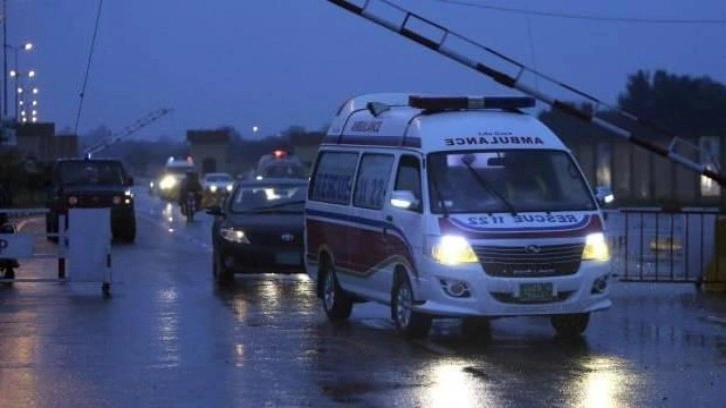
453	250
168	182
596	248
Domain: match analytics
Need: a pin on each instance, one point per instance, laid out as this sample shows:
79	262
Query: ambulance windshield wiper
467	160
439	197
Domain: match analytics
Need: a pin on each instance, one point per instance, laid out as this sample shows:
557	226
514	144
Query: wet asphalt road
169	338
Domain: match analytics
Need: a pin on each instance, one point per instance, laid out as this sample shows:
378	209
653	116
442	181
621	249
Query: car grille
511	299
530	261
93	200
275	239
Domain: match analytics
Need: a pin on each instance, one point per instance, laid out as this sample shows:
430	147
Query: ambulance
447	206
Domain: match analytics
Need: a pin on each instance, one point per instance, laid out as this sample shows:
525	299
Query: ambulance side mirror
405	199
604	195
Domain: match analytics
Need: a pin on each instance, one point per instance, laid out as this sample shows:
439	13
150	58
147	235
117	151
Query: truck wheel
570	325
337	303
410	324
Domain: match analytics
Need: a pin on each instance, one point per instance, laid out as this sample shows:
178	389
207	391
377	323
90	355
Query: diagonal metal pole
5	58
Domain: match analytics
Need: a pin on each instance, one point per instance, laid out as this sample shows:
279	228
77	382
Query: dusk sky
276	63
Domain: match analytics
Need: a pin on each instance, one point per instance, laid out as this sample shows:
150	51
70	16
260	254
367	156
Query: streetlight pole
16	75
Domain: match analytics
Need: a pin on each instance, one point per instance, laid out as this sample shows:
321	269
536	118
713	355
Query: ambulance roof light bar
469	53
464	103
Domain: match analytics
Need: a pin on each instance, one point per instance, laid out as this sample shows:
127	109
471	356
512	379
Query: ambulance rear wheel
409	323
570	325
337	304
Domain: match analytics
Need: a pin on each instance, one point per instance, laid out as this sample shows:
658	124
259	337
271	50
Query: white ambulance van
453	207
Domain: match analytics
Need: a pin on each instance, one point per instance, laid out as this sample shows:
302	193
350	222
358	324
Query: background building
210	150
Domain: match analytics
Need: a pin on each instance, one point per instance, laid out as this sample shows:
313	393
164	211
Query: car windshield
217	178
283	171
259	197
105	173
178	170
506	181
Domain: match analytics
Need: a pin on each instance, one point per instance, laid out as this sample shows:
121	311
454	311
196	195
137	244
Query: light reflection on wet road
168	337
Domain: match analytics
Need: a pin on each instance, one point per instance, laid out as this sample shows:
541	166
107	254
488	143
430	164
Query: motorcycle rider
190	183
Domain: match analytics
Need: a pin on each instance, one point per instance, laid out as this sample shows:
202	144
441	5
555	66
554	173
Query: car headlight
229	187
128	193
453	250
596	248
168	182
234	235
213	188
151	184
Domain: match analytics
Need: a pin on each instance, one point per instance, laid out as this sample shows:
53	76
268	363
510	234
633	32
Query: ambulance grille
530	260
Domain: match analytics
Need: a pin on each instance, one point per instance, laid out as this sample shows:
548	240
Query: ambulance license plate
287	258
536	291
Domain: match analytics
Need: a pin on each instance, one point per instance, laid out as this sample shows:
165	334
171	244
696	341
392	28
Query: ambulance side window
374	174
332	181
408	177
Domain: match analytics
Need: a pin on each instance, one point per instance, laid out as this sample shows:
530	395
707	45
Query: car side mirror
405	200
215	210
604	195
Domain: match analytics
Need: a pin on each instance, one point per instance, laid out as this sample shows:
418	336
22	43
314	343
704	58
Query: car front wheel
570	325
223	276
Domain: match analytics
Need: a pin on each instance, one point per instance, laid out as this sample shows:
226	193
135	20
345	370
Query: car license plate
287	258
536	291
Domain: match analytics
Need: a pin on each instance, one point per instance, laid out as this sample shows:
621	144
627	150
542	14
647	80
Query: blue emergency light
466	103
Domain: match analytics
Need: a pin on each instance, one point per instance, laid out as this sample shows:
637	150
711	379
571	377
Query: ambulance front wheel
409	323
570	325
338	305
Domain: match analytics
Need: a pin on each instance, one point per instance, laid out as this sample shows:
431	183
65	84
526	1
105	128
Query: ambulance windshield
505	181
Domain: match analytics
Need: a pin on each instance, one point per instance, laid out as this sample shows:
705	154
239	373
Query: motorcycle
7	266
190	206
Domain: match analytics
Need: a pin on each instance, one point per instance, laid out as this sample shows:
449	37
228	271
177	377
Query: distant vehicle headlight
213	188
229	187
151	184
596	248
128	193
168	182
234	235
